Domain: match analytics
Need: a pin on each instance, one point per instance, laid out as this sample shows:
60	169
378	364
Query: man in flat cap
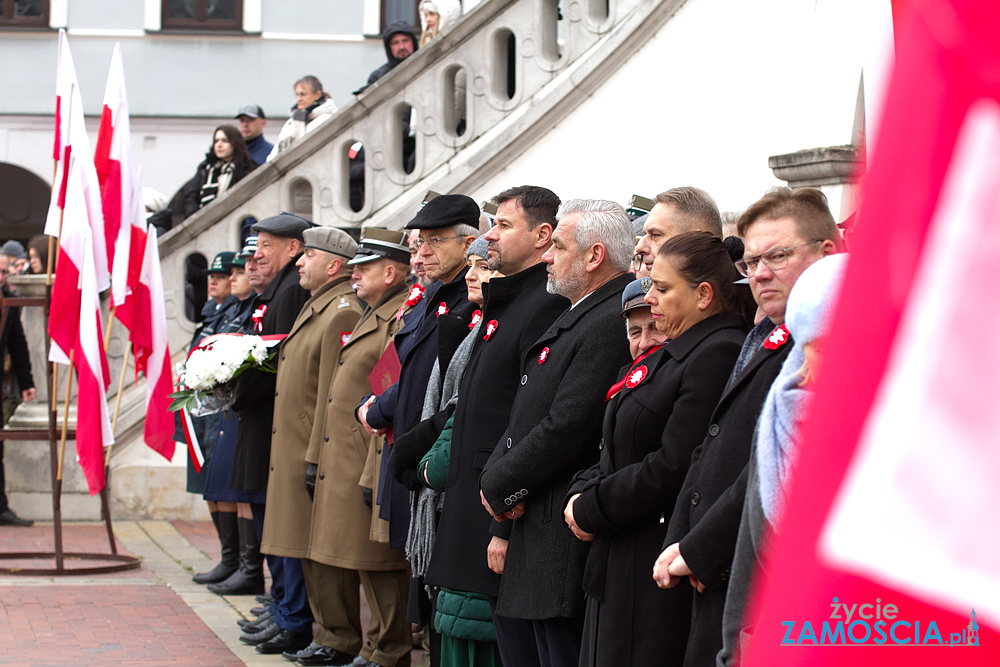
446	226
639	324
273	311
341	556
252	121
555	426
306	361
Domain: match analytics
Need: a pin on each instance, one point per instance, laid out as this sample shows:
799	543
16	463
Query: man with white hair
555	425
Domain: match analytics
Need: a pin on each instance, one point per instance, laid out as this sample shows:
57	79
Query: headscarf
807	316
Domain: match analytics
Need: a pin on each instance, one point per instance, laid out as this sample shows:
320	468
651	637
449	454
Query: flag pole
65	423
118	399
107	334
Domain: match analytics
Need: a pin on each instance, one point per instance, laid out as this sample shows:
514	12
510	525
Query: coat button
601	445
524	379
713	430
321	476
220	433
695	499
282	356
326	438
329	399
508	443
272	468
274	430
276	394
378	450
340	362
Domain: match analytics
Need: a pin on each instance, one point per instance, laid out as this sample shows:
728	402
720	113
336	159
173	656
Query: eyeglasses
637	261
774	260
436	241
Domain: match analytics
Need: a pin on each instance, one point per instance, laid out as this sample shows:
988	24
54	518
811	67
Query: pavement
151	616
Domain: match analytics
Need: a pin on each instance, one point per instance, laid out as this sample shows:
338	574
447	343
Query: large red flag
124	234
93	427
887	550
152	355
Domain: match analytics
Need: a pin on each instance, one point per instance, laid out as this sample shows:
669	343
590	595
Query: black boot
249	578
229	537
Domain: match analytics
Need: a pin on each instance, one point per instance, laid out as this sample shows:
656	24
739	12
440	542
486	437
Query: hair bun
734	246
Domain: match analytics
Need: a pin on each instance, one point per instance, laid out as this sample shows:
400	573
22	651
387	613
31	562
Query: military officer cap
634	294
249	248
285	225
222	263
377	242
446	211
331	240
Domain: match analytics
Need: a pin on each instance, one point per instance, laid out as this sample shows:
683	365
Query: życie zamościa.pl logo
875	624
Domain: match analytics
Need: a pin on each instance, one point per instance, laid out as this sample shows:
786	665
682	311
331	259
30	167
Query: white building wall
722	86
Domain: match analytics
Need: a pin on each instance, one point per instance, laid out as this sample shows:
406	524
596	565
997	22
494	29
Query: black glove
366	494
311	470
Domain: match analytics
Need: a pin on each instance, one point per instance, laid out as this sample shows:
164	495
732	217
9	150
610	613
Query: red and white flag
93	425
124	234
71	141
152	355
129	258
891	528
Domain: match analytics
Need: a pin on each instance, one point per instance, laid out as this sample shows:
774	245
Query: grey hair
695	207
605	222
465	230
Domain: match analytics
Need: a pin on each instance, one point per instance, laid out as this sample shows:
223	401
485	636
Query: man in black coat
400	42
522	309
12	342
555	425
446	225
783	233
273	311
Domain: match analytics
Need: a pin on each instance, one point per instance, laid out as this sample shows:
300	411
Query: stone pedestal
832	169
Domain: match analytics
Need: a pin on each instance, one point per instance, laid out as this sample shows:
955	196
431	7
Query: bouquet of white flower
208	378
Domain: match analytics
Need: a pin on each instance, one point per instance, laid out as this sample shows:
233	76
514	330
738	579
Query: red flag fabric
887	550
152	355
128	266
113	162
71	141
93	426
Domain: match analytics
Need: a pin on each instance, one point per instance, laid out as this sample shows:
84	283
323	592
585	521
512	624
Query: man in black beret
273	311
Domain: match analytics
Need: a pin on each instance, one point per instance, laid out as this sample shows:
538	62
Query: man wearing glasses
783	233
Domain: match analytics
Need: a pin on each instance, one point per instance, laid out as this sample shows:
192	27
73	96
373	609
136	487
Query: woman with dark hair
226	163
38	254
656	415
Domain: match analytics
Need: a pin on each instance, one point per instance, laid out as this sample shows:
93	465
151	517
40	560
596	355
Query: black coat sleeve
17	347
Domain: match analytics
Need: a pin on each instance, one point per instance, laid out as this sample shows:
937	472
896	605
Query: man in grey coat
555	425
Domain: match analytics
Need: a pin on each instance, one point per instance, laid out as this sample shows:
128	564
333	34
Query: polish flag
124	233
93	425
895	494
129	258
71	141
152	355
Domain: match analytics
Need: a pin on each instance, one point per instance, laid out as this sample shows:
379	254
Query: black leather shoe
268	633
286	640
325	655
265	598
8	518
294	656
259	611
258	623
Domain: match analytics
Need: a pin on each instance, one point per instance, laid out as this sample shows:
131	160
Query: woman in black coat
656	415
226	163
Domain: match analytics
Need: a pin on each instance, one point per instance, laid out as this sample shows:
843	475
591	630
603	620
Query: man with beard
554	427
518	309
